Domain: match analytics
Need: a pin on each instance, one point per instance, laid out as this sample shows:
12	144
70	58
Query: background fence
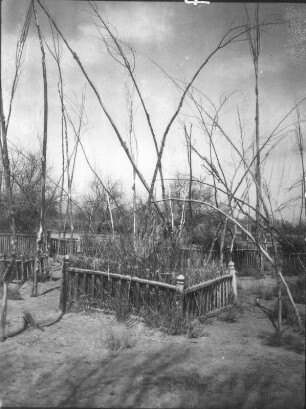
294	263
62	246
23	269
26	243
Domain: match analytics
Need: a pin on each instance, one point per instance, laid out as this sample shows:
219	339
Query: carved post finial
232	271
180	294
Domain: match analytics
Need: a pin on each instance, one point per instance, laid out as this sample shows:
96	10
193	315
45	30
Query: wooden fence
102	289
25	242
245	258
24	269
62	246
294	263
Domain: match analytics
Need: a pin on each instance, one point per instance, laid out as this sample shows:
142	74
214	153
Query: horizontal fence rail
99	288
102	289
23	269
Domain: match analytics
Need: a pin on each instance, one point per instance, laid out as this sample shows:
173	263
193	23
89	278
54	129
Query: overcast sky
178	37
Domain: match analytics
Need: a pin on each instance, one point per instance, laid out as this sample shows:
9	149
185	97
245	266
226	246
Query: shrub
172	323
117	338
231	312
297	289
288	313
280	339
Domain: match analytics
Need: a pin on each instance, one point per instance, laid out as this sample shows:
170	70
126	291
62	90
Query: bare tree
6	165
253	36
41	243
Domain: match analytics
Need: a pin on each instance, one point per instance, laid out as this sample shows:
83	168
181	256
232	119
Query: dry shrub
265	293
149	256
287	341
116	338
172	323
12	292
297	289
231	312
288	314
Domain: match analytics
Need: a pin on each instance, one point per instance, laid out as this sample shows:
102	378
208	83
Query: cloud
139	24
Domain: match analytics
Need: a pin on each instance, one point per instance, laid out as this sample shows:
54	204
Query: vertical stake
63	296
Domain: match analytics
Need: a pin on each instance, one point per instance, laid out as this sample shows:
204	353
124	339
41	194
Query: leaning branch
107	114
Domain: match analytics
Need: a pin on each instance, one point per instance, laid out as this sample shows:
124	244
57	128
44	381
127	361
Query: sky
178	37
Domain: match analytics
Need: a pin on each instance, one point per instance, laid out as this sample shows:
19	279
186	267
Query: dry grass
231	312
172	323
281	339
264	293
116	338
147	258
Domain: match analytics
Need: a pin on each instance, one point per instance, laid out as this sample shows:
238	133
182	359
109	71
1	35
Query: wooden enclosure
103	289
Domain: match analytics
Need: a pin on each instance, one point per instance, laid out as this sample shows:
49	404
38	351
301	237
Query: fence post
23	279
63	296
180	294
79	245
48	240
232	271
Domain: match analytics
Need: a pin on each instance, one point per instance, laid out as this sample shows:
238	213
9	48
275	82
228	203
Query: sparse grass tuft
194	330
287	341
116	339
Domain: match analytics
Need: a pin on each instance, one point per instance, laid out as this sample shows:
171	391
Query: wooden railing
24	269
25	242
62	246
206	297
100	287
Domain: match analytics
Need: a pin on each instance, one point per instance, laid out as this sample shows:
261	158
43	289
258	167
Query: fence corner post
180	293
232	271
63	296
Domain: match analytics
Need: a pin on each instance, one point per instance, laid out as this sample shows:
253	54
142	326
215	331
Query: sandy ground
68	365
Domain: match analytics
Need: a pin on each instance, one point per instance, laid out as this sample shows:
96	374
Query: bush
297	289
117	338
231	313
280	339
265	293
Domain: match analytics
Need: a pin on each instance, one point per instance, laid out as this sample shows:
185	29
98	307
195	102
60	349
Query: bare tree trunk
41	232
6	163
300	145
11	214
254	44
103	107
111	214
222	242
189	157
